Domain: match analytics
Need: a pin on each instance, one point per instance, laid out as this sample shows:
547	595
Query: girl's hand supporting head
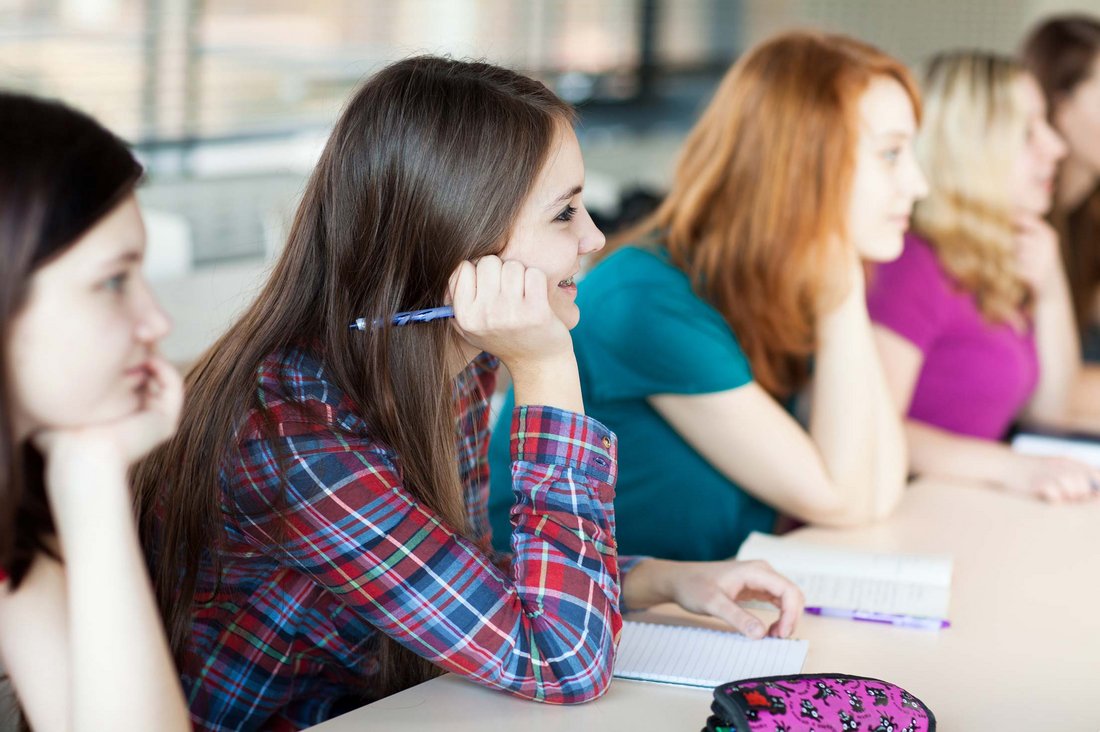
119	443
1037	256
502	307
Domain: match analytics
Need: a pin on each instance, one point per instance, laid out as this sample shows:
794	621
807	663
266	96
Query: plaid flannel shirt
286	638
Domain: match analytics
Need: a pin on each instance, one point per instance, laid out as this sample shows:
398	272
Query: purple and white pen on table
865	616
407	316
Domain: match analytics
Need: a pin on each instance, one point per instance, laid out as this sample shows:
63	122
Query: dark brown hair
762	187
61	172
1060	52
427	167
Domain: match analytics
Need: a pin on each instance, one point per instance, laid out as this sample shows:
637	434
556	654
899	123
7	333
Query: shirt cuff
625	565
551	436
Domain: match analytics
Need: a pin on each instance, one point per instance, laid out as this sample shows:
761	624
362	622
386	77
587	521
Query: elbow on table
831	510
590	690
568	692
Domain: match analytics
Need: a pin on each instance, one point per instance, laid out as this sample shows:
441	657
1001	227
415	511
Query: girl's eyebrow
565	196
892	135
131	256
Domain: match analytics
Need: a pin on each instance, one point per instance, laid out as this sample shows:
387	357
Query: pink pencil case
821	702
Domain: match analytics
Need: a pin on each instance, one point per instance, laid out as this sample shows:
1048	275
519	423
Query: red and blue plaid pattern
286	637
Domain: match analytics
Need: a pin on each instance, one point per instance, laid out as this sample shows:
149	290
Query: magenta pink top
976	376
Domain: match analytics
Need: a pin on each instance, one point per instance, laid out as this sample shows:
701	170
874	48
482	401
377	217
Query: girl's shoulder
296	394
636	276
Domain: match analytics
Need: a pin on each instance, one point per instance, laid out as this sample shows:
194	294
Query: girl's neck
1076	181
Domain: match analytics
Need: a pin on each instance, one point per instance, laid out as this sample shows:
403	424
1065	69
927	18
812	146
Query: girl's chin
124	405
569	314
886	250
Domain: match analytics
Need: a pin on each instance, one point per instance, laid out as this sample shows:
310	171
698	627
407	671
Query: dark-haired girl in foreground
83	394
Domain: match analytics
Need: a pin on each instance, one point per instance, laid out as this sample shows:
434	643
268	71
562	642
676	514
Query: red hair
762	188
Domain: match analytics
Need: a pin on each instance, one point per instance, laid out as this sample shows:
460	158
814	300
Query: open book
677	654
895	584
1078	447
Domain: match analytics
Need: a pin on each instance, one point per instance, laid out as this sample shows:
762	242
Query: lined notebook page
903	584
675	654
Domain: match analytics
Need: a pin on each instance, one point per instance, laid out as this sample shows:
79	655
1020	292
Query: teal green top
644	331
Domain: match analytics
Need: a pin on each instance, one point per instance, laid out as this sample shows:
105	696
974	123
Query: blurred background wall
228	102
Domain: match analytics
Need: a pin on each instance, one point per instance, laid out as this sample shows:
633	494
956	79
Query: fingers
164	392
535	286
715	587
512	281
1067	481
462	287
494	293
768	585
721	606
488	277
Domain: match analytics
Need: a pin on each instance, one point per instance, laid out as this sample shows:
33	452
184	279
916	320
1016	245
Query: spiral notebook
675	654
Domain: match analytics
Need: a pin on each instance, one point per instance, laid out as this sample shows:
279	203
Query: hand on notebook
714	588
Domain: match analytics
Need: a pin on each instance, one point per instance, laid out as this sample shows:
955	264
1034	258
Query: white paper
900	584
1086	452
675	654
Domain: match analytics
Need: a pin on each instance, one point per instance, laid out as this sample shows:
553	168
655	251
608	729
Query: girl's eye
891	155
566	214
116	283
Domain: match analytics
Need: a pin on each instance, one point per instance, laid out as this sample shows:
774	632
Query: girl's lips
142	369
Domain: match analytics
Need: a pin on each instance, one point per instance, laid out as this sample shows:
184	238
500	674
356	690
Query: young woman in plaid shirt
318	526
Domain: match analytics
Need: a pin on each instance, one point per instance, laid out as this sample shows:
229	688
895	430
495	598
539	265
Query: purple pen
408	316
866	616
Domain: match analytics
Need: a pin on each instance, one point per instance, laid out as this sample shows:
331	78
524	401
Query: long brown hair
974	128
61	173
427	167
761	192
1061	53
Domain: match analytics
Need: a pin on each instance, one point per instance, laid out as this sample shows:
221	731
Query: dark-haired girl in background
1064	55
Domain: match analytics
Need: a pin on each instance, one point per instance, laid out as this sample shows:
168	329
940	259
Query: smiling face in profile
554	230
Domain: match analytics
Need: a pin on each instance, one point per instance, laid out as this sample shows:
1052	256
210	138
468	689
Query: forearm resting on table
1080	412
936	452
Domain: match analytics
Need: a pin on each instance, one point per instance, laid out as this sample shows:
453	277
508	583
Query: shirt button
606	443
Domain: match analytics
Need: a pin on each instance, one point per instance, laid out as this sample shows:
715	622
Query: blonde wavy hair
973	130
